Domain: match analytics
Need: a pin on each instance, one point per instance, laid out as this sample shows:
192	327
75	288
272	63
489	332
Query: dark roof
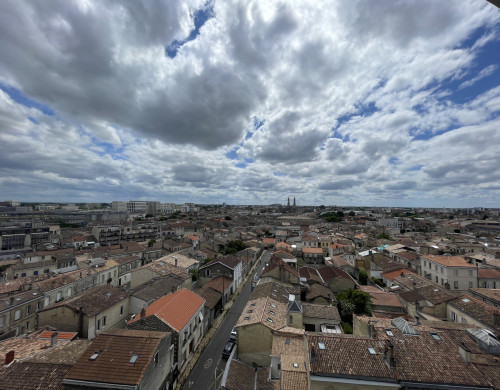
321	311
157	288
310	273
330	272
94	301
34	376
478	310
318	290
240	376
211	296
228	261
112	365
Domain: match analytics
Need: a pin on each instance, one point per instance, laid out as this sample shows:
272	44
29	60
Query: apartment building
453	272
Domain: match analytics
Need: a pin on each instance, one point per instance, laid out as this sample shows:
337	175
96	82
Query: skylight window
321	345
250	311
95	355
246	318
133	359
271	312
435	336
287	341
269	319
253	304
296	365
389	332
466	300
372	351
273	305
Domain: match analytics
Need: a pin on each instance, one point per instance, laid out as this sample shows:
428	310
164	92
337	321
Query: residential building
229	266
89	313
469	310
124	359
453	272
180	313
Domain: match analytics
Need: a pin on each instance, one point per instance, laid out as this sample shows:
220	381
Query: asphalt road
207	372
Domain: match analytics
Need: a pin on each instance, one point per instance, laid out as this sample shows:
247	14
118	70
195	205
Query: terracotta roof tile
112	365
34	376
175	309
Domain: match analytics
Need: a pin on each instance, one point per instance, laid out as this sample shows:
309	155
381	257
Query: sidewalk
193	359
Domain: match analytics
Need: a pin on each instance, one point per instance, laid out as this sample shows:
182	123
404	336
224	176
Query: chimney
372	332
496	319
53	339
313	353
9	357
464	352
389	355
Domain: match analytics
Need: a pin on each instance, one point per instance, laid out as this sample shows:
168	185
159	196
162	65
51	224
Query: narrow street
207	372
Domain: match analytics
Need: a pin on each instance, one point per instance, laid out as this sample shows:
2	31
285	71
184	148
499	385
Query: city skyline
351	103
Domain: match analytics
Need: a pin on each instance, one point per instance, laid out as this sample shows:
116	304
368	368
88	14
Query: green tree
363	277
360	299
383	236
233	246
151	242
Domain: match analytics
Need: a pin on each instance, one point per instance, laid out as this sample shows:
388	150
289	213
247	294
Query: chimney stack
9	357
53	339
389	355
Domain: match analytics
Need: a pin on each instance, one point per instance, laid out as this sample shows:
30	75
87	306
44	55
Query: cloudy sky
387	103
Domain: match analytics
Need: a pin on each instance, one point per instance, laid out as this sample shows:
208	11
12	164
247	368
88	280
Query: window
321	345
455	272
38	305
291	320
47	301
35	272
437	279
389	332
442	270
435	336
121	310
59	296
156	358
455	284
17	315
470	285
98	324
103	321
454	316
23	274
27	325
372	351
2	320
102	277
133	359
28	310
69	292
46	271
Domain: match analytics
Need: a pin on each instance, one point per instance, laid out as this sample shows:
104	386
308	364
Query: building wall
459	278
62	318
157	374
255	344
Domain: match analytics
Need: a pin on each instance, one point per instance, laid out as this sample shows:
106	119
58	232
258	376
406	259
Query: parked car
228	349
233	336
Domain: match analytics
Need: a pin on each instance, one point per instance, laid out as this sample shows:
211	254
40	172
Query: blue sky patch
200	17
33	120
20	98
232	155
415	168
393	161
